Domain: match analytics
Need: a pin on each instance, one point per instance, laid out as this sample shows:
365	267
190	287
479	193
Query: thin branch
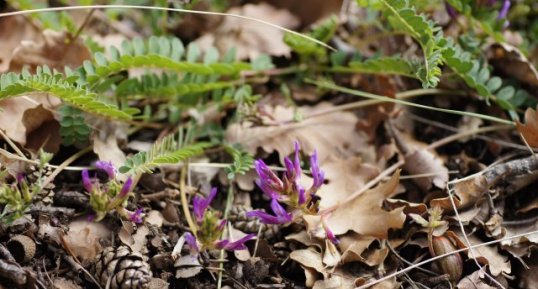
467	241
242	17
64	164
403	102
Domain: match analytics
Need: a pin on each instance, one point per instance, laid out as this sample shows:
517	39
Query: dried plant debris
219	148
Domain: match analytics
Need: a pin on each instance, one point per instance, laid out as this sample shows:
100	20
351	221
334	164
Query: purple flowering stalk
110	196
209	228
288	190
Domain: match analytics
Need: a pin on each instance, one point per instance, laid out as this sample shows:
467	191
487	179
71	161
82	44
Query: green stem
399	101
229	202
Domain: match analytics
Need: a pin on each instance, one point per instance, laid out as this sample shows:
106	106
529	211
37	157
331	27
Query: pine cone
126	269
238	217
45	196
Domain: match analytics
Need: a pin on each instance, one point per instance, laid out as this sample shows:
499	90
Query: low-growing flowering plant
209	228
111	195
289	191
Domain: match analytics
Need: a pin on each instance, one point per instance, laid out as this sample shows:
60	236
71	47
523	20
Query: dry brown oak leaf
54	49
333	135
250	39
529	130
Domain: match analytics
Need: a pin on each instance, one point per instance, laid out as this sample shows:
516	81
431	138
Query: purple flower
223	223
106	167
192	243
331	236
136	217
268	181
504	9
317	173
200	204
20	178
86	181
91	217
126	188
281	215
450	10
302	195
328	232
293	169
236	245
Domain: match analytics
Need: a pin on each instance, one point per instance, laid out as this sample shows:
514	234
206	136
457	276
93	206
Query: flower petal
235	245
86	181
317	174
107	167
504	9
263	216
200	204
136	217
268	181
192	243
126	188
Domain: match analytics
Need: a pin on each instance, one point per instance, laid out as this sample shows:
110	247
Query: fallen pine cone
124	268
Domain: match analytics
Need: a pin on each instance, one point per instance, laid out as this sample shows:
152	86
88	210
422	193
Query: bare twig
156	8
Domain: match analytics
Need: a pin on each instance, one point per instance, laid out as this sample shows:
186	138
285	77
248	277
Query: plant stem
65	163
184	202
229	202
399	101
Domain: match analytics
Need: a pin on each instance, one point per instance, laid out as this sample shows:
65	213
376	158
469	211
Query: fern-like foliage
158	52
382	65
169	150
478	76
403	17
242	161
167	86
60	85
73	127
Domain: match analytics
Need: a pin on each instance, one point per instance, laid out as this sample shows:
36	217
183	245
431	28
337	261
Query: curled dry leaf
338	280
511	61
420	160
489	255
331	134
83	239
187	266
353	245
29	121
475	281
529	130
251	39
467	193
13	30
361	213
344	177
56	51
309	259
520	227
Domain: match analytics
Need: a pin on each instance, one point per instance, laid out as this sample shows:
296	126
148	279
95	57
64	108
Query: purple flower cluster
289	191
210	228
109	196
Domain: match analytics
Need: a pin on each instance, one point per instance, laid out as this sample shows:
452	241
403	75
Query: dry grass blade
70	8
